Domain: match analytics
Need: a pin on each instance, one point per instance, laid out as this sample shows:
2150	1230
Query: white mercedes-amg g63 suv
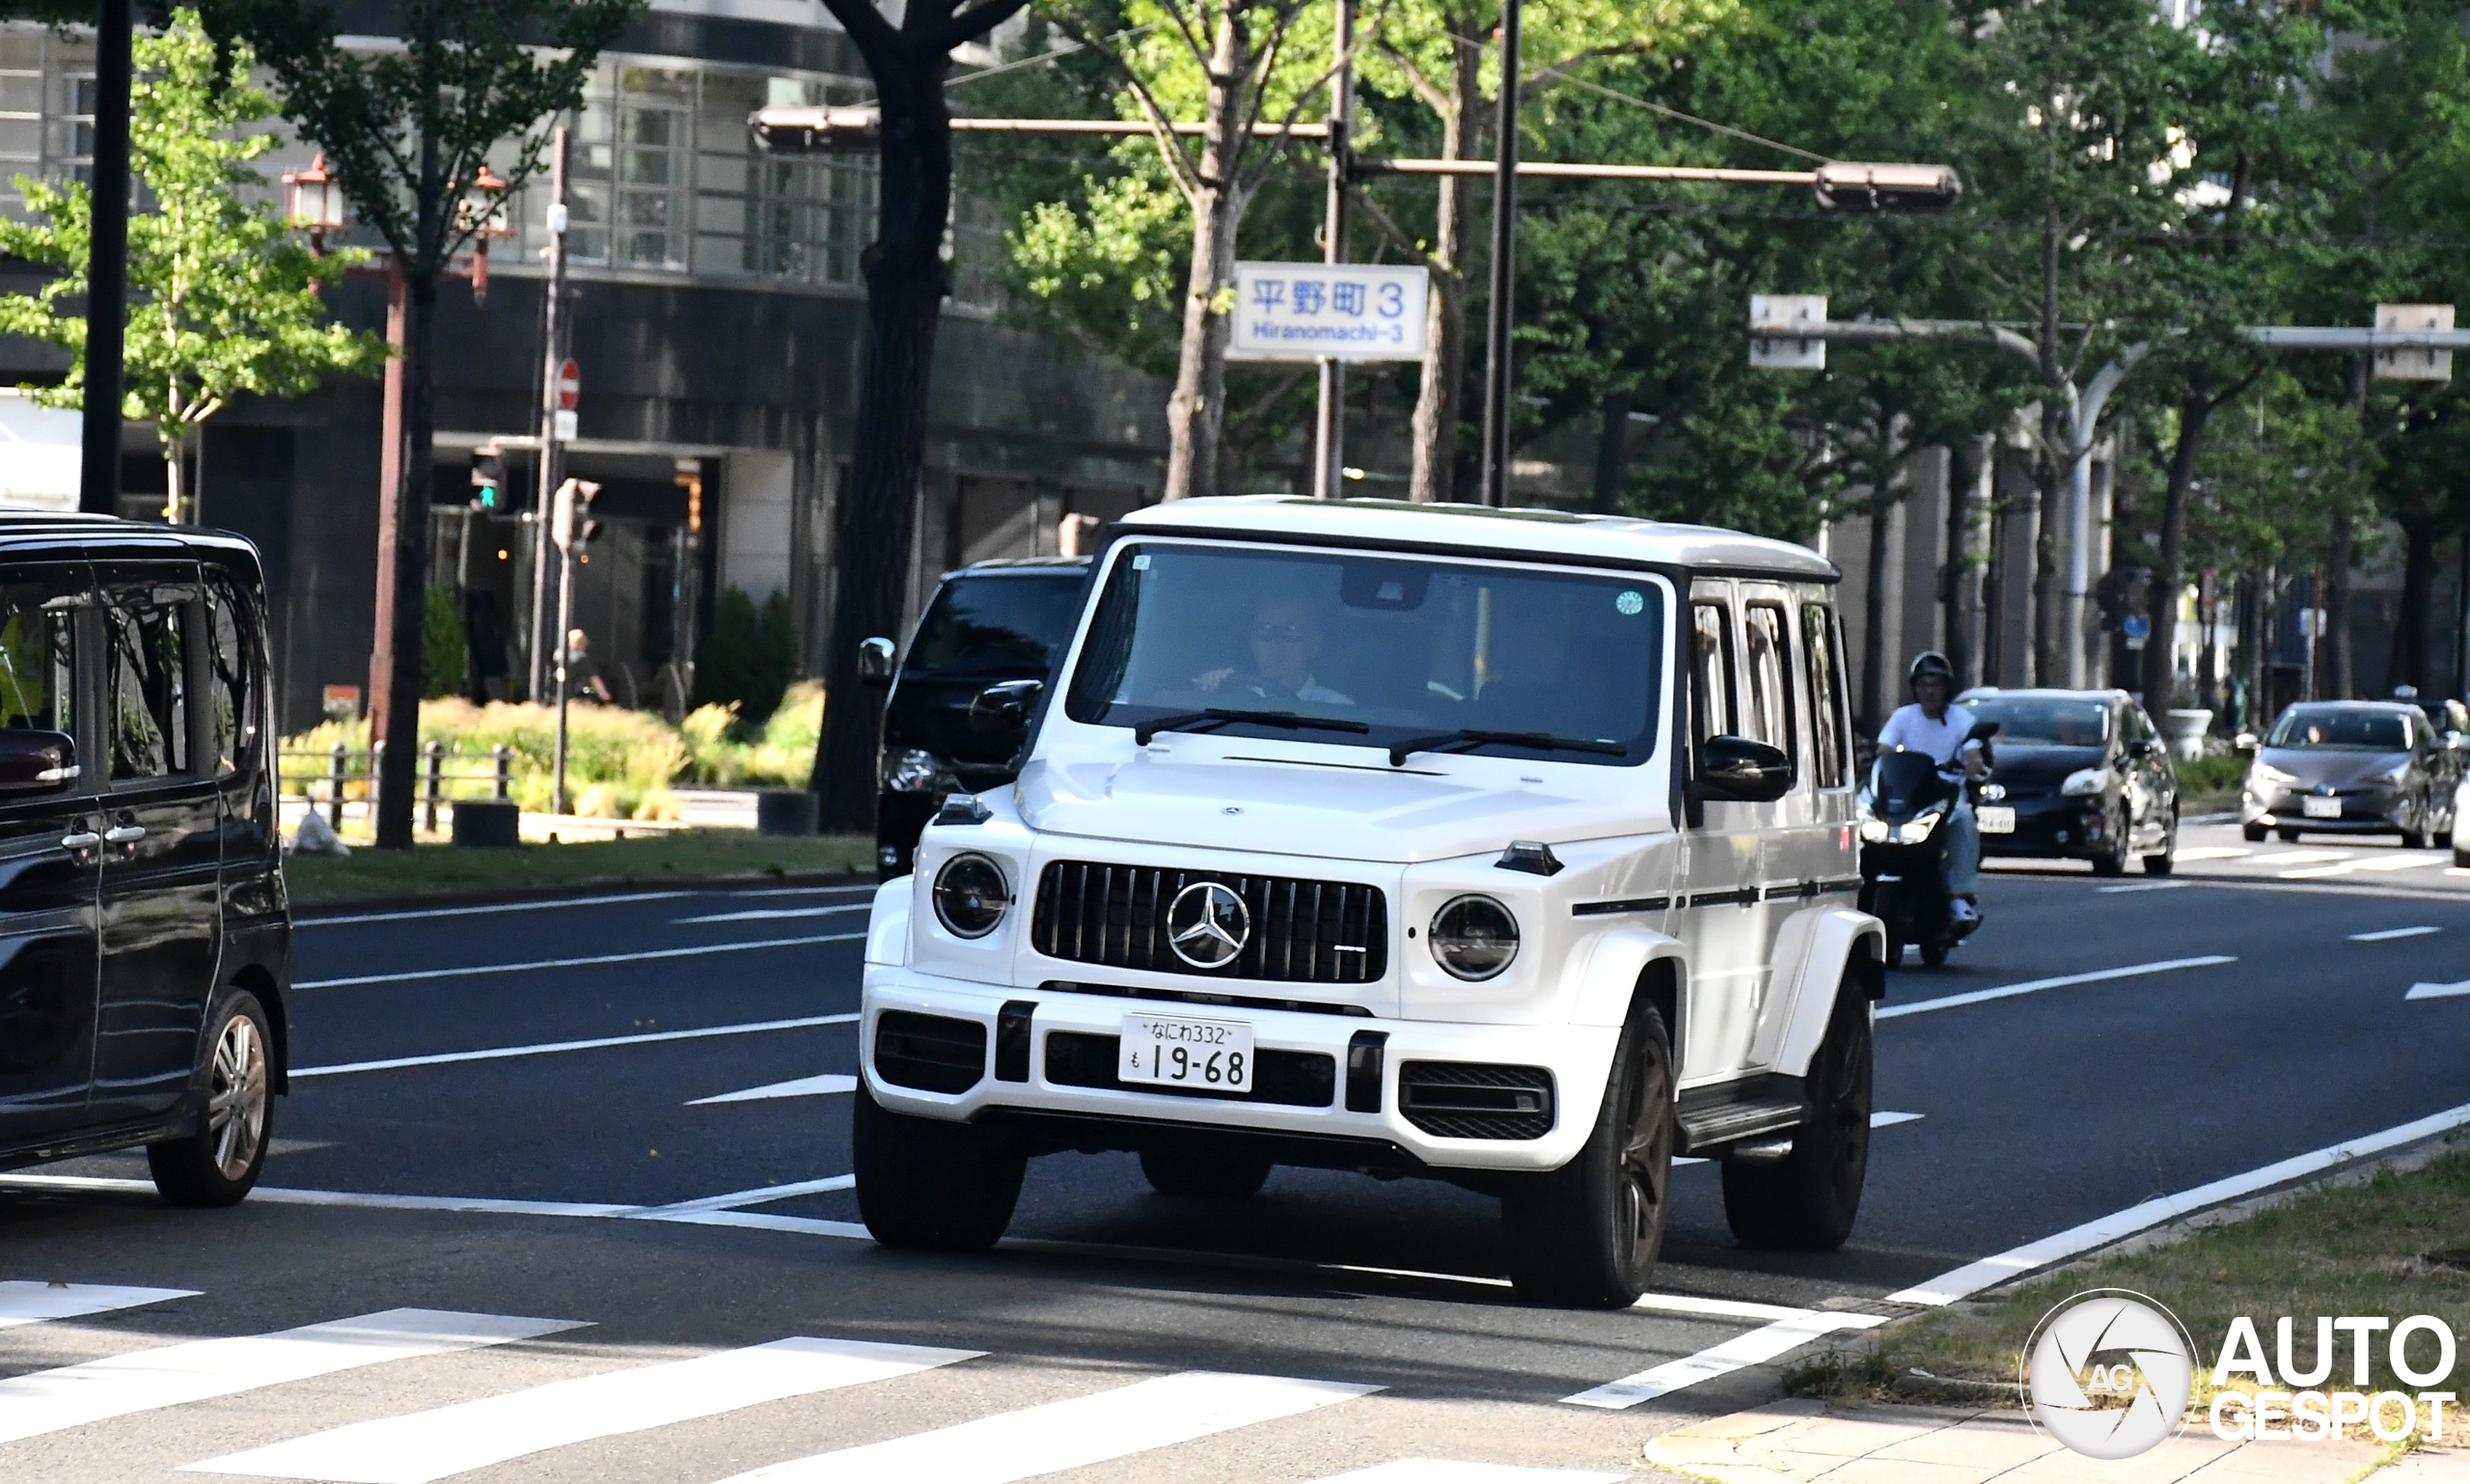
1509	847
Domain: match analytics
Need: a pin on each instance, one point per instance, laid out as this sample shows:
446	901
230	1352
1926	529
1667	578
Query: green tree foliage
748	657
445	653
226	298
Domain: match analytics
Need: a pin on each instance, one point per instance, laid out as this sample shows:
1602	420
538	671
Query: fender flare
1606	983
887	921
1842	943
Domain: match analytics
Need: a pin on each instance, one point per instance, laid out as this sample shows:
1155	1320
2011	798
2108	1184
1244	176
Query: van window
231	676
1710	671
37	625
147	637
1767	702
1827	729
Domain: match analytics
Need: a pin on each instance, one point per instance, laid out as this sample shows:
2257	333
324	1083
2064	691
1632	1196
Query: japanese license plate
1206	1055
1996	818
2316	807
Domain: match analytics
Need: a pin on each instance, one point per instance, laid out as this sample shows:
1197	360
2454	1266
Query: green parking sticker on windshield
1631	603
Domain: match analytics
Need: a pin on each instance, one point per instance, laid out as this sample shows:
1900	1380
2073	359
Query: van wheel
1588	1233
218	1163
1203	1169
924	1183
2288	836
2167	861
1806	1201
2254	833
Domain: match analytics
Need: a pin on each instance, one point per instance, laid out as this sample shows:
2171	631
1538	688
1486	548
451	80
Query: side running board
1731	1112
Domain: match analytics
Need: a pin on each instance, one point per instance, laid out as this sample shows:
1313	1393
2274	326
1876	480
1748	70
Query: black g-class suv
144	937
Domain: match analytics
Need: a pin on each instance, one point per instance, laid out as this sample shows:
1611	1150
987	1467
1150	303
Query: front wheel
926	1184
1934	953
1806	1201
2286	834
2167	861
217	1164
2254	833
1588	1233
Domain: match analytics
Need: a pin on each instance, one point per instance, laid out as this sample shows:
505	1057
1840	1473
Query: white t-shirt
1912	729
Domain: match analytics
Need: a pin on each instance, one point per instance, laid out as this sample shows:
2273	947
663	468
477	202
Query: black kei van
961	696
145	937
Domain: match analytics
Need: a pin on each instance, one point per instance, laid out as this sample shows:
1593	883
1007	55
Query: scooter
1904	849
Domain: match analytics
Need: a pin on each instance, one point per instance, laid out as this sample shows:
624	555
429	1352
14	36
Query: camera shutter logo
1207	924
2108	1374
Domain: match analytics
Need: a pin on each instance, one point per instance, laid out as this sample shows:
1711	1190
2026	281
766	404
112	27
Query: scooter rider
1934	725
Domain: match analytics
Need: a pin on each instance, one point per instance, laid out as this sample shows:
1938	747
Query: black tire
1895	951
218	1163
2416	838
1934	953
1588	1233
1807	1201
2461	857
2167	861
2111	862
934	1186
2288	835
1210	1169
2441	840
2255	833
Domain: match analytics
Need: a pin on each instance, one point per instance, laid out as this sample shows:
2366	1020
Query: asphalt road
568	1217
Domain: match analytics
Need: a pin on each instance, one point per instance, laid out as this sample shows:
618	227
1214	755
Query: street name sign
1329	312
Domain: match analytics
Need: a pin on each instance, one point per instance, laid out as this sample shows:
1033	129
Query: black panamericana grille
1476	1100
1313	932
1298	1078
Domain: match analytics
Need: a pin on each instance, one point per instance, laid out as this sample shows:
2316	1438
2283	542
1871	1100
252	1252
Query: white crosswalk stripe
172	1375
823	1086
1071	1434
1443	1470
433	1444
25	1301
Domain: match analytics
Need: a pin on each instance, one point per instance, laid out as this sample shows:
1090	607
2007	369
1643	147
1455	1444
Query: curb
1710	1450
613	885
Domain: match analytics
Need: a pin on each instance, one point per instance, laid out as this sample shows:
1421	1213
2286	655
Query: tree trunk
1954	579
1873	625
2160	678
906	279
1196	409
2335	675
1434	429
1612	451
2049	655
397	723
2413	656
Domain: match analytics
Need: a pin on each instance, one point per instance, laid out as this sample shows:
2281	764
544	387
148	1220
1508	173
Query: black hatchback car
2079	775
145	937
962	697
2350	767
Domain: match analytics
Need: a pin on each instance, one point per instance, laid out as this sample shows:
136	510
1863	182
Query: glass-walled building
716	314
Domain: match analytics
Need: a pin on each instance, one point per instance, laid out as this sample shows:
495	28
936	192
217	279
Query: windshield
2336	729
1012	628
2038	722
1402	647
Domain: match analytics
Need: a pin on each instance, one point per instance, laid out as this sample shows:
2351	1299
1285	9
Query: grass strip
370	875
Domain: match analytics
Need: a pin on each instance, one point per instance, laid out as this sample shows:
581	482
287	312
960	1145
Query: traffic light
570	525
489	478
1851	185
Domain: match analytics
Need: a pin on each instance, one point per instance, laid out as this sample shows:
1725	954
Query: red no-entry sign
569	386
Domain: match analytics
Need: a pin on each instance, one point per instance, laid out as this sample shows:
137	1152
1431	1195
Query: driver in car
1934	725
1286	639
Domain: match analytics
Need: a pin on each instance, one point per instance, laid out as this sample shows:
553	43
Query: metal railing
347	766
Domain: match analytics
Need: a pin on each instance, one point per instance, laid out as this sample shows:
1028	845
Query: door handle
122	833
83	840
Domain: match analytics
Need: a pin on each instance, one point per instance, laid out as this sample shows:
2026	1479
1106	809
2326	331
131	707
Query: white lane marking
710	1210
765	1221
1755	1348
1888	1120
2143	886
546	904
597	1043
1070	1434
174	1375
2213	852
1443	1471
1974	1277
2391	933
765	914
420	1447
2426	991
2348	867
1721	1309
587	962
804	1086
759	1195
2035	986
2300	857
29	1301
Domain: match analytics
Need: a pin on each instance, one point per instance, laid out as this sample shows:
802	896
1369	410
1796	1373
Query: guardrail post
434	754
338	773
504	756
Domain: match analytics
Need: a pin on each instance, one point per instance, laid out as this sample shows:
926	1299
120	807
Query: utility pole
1504	270
568	530
553	358
107	267
1328	434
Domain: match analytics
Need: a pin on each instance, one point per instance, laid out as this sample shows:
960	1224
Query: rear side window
37	629
1710	671
1000	626
1827	729
147	639
234	704
1767	703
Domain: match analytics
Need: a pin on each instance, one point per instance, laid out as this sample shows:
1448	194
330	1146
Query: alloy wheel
1646	1156
236	1105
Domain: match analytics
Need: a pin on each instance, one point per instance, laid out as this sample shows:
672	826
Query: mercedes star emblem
1206	924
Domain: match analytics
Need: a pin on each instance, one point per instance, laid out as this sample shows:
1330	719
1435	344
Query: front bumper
2378	809
2052	826
1578	1057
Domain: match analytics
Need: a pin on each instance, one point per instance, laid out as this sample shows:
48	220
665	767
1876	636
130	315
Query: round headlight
970	896
1473	936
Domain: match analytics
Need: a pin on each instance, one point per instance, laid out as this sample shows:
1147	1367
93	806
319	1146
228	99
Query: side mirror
2244	742
877	659
35	761
2141	747
1741	771
1004	705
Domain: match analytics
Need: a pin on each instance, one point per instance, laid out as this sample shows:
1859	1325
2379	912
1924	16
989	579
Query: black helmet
1929	662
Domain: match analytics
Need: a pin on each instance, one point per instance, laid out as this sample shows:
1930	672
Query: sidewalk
1800	1441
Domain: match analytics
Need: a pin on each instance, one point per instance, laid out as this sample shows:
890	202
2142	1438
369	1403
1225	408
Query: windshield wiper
1469	736
1219	716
